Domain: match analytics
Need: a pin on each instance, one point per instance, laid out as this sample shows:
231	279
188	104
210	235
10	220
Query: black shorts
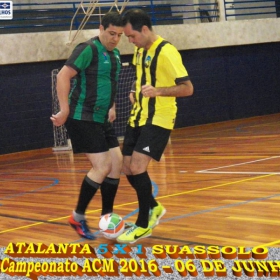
150	140
91	137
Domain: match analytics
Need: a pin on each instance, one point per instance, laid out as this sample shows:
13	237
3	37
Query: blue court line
202	211
55	182
196	212
218	208
155	193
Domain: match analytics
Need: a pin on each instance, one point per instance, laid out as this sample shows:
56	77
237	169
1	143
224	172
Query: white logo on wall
6	10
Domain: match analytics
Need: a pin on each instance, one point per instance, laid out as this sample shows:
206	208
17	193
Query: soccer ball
111	225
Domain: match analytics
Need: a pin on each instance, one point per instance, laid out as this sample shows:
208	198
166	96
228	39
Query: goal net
123	106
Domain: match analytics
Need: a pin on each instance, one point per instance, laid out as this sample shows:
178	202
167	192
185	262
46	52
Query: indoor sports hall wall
234	67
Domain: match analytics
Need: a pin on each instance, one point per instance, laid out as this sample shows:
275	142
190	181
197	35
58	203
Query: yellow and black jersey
160	66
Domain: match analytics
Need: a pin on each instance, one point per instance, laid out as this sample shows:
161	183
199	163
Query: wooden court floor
219	183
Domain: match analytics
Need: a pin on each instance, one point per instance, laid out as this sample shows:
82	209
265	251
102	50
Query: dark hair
113	18
137	18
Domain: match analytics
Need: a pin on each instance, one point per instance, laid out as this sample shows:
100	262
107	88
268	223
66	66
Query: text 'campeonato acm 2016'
98	261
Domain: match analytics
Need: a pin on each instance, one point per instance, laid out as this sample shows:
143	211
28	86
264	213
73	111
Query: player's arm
63	89
173	69
132	93
184	88
112	113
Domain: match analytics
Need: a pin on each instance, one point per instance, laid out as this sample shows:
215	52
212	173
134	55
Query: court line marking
136	202
91	211
202	171
238	164
4	164
236	172
271	243
54	183
98	232
236	204
221	207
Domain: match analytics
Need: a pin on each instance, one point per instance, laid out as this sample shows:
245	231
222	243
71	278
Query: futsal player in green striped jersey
160	78
88	111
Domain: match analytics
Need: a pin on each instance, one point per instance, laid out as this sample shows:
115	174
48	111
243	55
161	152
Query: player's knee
126	169
102	170
136	169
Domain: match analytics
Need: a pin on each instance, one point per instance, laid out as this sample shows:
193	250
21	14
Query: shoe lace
131	229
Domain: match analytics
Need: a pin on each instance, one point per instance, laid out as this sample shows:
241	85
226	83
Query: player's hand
149	91
112	115
132	97
59	118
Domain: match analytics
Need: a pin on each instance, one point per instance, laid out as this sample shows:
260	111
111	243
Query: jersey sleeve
80	58
173	65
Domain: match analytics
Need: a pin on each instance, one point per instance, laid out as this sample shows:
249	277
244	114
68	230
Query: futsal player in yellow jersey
160	78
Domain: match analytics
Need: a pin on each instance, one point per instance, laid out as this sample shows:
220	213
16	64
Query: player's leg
101	163
140	146
148	142
150	210
136	232
153	143
88	138
140	181
110	184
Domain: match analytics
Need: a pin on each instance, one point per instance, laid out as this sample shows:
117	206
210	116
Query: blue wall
230	83
25	91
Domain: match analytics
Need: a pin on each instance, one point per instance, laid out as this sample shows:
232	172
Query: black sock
143	186
87	192
153	202
108	189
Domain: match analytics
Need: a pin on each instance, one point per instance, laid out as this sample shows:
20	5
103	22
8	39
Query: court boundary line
135	202
209	171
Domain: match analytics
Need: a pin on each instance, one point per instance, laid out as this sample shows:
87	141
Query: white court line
238	164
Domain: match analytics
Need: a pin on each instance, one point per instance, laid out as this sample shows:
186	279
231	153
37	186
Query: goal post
123	107
61	139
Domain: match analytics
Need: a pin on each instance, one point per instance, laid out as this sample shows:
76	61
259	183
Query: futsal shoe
156	214
81	228
134	234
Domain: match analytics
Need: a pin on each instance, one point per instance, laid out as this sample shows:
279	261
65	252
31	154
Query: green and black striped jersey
95	85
